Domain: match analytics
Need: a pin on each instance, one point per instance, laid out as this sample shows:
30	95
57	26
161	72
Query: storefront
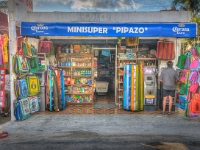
76	59
101	31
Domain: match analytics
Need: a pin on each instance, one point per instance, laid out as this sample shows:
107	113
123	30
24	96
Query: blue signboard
179	30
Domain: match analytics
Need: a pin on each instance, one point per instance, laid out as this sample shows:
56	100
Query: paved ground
138	131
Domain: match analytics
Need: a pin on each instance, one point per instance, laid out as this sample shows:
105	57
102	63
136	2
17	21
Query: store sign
114	30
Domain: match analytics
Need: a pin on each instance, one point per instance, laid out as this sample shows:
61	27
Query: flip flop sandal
3	135
169	113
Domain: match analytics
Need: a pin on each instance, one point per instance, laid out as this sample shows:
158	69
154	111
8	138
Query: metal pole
12	51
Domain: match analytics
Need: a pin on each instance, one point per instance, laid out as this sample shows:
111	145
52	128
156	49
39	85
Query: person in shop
168	78
6	109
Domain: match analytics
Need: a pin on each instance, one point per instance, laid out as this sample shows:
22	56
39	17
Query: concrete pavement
142	127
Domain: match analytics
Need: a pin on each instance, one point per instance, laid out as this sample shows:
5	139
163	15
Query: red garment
165	50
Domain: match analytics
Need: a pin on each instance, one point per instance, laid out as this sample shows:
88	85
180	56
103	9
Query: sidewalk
53	125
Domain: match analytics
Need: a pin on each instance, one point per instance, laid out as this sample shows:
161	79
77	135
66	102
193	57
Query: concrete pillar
12	51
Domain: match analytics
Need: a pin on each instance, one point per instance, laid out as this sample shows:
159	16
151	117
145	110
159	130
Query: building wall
113	17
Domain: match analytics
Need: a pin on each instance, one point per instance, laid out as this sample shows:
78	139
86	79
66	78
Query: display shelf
67	55
81	67
82	103
78	93
78	76
73	65
78	85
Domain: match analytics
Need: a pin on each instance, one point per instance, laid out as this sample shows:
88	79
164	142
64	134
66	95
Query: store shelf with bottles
78	77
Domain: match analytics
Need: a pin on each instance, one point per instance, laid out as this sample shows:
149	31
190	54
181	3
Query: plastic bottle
71	49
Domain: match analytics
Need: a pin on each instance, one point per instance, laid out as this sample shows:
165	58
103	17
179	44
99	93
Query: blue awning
178	30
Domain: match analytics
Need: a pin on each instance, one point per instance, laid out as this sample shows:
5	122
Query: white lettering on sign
130	30
28	3
39	28
180	30
87	29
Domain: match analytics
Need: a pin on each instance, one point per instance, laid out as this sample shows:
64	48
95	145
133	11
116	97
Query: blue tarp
179	30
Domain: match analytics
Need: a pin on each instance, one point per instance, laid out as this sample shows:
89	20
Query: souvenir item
33	63
33	85
34	104
20	65
181	61
21	109
21	88
130	95
44	47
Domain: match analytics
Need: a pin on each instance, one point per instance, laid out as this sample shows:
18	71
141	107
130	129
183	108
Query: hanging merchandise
131	101
194	64
33	63
56	96
187	61
1	50
2	87
26	48
62	89
52	52
195	104
54	101
181	61
21	88
132	41
198	49
21	109
134	88
165	50
34	104
44	47
141	72
34	51
193	51
5	48
33	85
20	65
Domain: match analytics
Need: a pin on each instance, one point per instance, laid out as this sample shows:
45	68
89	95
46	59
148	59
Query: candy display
80	90
78	98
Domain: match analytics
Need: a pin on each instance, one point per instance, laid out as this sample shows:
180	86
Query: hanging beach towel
33	51
33	85
34	104
26	48
33	63
21	88
20	65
